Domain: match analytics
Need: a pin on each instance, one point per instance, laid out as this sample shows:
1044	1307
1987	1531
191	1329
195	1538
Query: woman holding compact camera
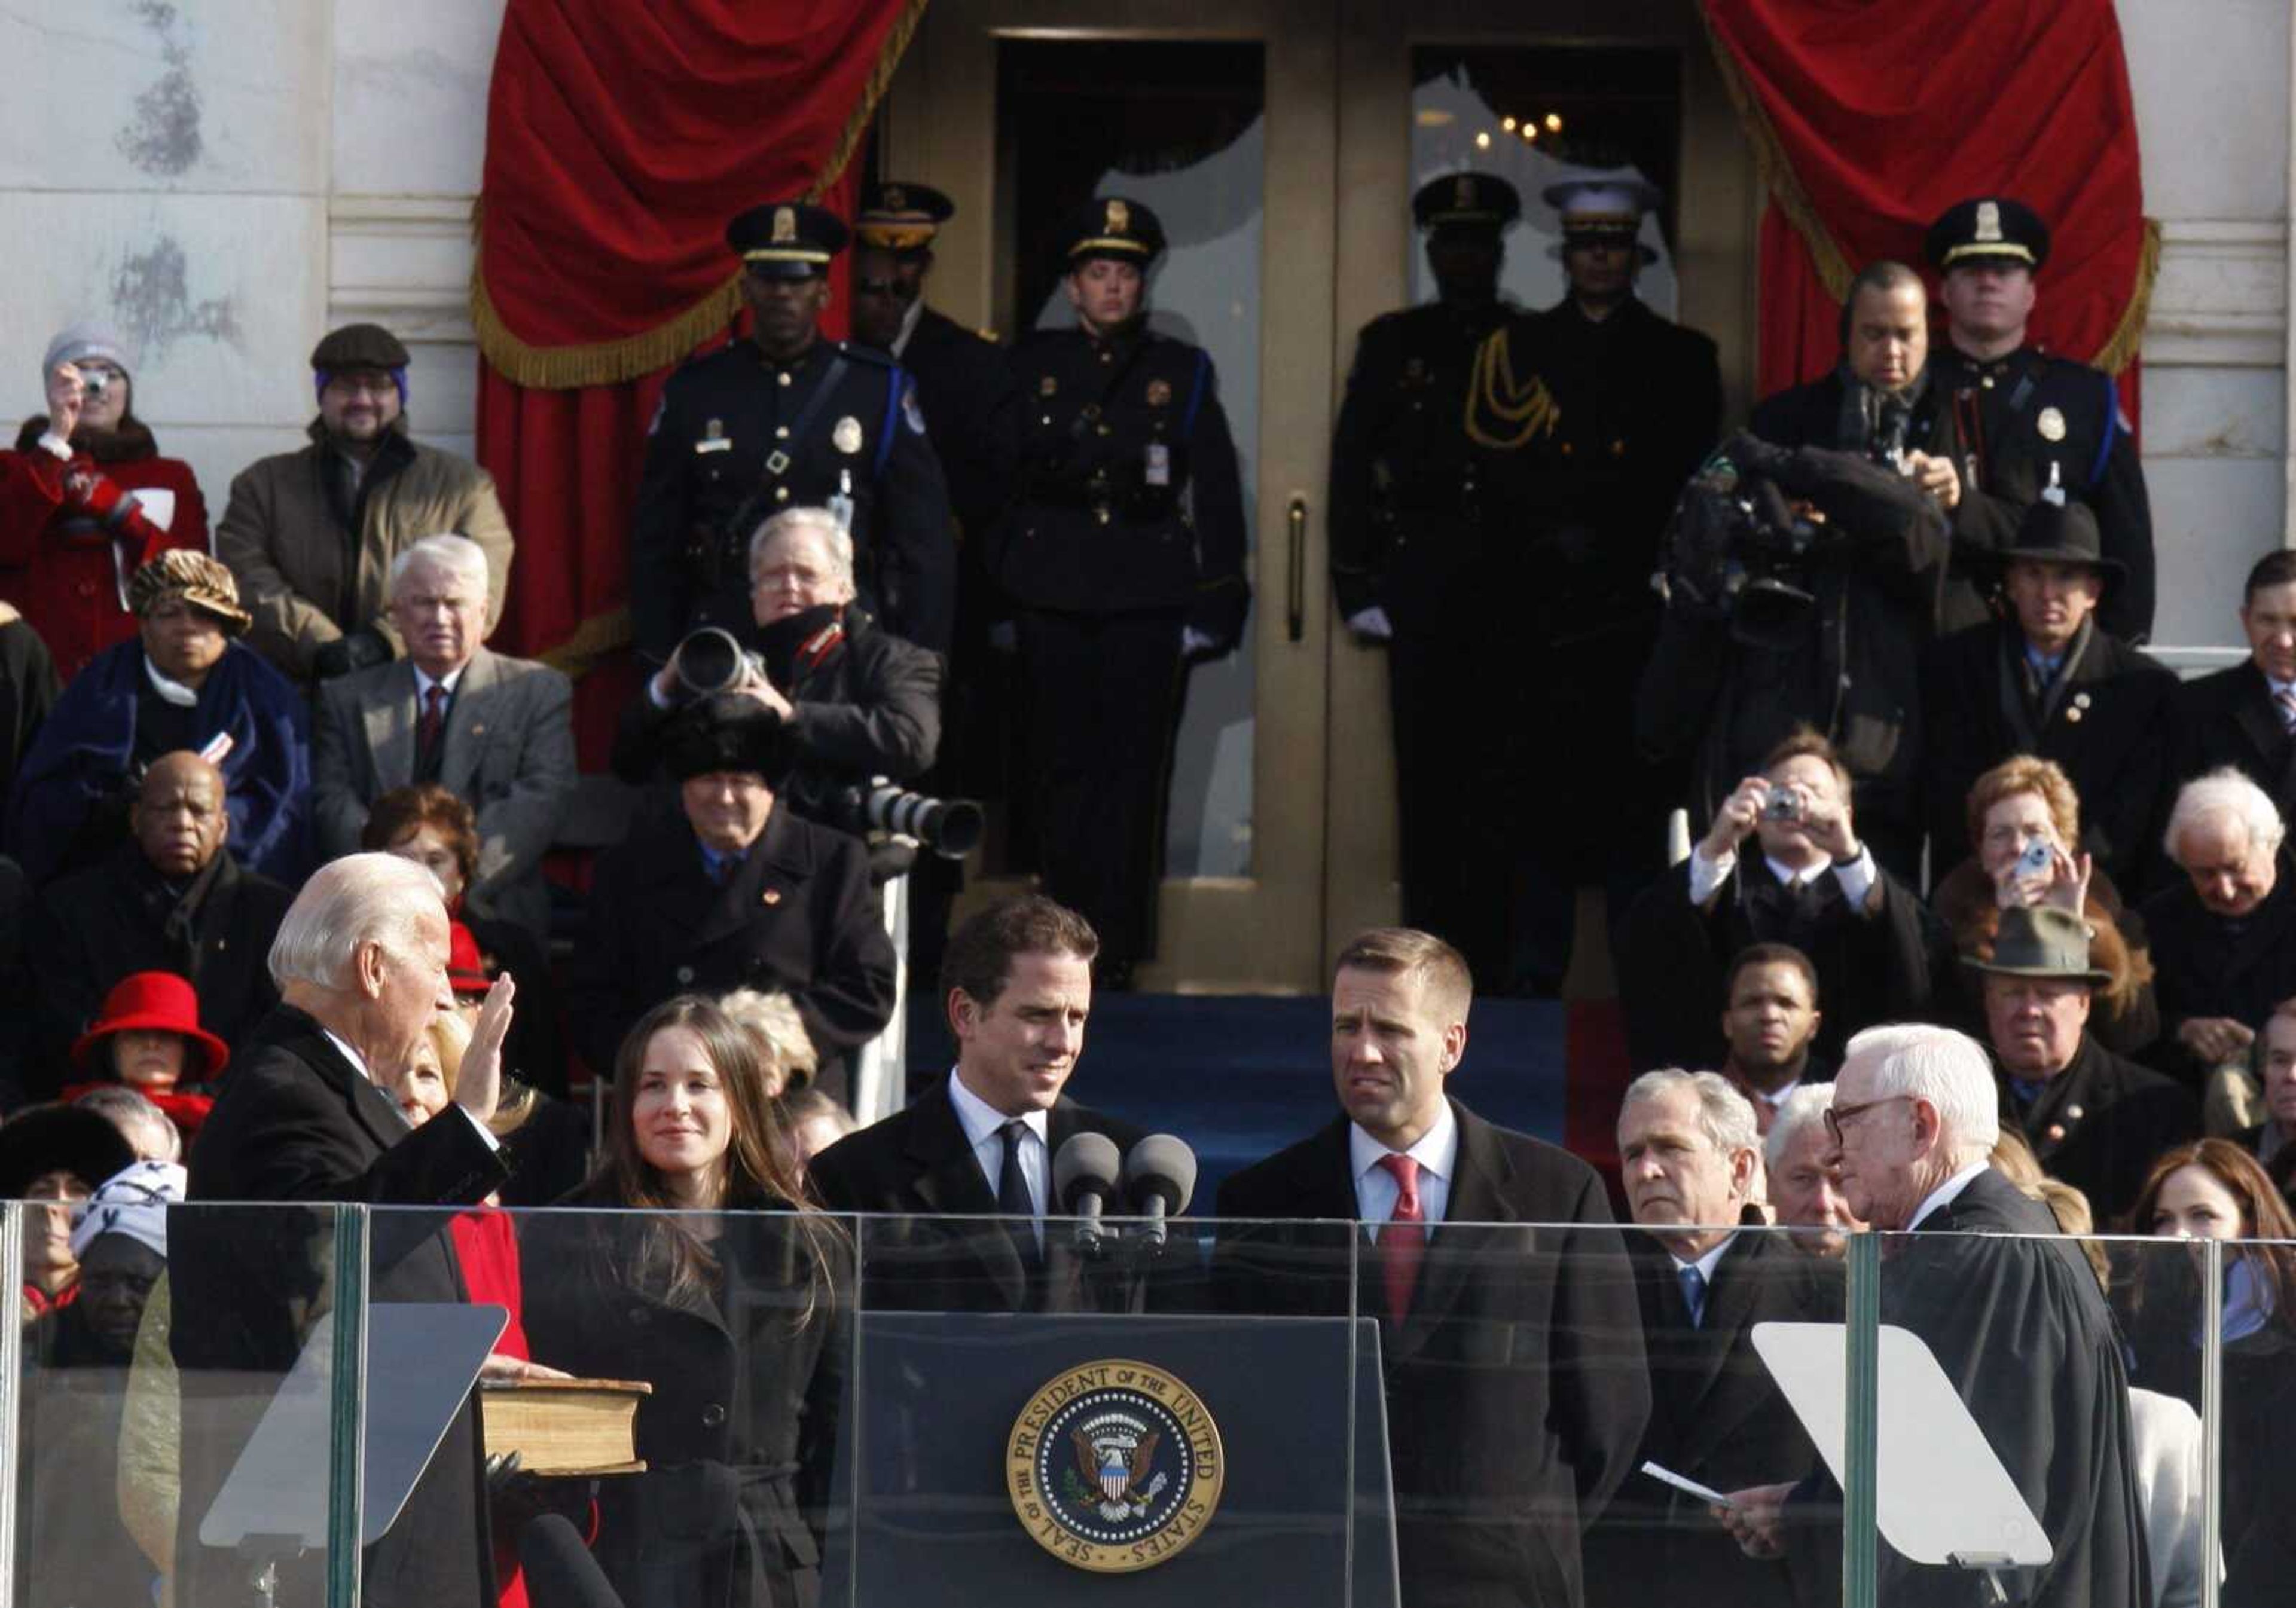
85	499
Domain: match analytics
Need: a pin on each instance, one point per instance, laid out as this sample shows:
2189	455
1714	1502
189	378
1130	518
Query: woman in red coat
85	499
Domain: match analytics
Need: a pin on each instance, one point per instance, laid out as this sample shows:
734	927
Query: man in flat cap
311	533
784	419
2047	680
733	891
2030	426
1123	553
1593	411
1410	521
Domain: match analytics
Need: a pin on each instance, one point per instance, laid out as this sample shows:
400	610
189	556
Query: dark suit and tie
2239	717
922	1168
501	738
1515	1382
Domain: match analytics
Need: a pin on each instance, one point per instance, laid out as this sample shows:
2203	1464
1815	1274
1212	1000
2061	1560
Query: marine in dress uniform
1410	568
1123	554
784	419
2030	426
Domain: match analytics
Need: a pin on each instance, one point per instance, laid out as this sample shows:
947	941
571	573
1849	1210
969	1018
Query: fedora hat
2061	533
2040	940
152	1002
60	1138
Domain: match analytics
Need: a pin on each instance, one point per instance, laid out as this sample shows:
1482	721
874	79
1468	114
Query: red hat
466	970
152	1002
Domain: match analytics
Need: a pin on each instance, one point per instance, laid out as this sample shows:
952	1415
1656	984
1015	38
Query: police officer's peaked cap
358	347
897	215
1988	230
1603	206
1115	226
786	239
1466	201
724	733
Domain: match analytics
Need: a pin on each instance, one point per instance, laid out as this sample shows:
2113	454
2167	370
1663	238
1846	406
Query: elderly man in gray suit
495	730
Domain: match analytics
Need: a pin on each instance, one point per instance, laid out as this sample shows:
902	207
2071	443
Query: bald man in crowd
168	899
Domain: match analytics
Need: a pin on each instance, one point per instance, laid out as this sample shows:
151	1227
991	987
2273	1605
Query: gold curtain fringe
1833	269
592	639
1777	174
2117	353
612	362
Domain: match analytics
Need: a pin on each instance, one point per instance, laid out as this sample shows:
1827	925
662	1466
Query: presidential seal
1114	1467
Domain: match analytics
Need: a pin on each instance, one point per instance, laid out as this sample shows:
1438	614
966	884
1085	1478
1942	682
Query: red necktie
433	723
1403	1242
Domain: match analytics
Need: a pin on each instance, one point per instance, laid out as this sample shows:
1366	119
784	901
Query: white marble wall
226	179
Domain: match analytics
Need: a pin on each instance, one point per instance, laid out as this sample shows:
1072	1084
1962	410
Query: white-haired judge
2018	1326
361	965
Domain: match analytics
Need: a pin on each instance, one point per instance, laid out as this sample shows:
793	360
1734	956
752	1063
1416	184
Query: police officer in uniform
1123	554
1593	411
781	420
1408	533
2028	425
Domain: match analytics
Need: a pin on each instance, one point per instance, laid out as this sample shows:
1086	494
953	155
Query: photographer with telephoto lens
859	708
1804	574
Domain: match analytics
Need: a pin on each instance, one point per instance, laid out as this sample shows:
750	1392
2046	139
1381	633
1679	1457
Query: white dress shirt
1857	876
1437	1154
983	1126
358	1065
1945	1194
423	683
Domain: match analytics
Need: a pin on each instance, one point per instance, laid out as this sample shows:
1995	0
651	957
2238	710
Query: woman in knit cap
85	499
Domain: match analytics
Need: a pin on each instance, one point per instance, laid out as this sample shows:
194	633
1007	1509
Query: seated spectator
2094	1120
2224	941
144	1125
438	831
183	686
2274	1065
1813	885
784	1049
734	892
813	1122
2050	681
54	1155
2240	716
85	498
169	900
1805	1173
149	1038
855	701
68	1470
2212	1190
1769	1016
495	732
312	533
27	690
2022	807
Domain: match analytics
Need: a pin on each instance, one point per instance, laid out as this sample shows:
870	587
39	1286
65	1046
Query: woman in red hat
149	1037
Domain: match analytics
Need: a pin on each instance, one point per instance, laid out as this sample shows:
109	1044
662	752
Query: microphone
559	1571
1084	1181
1160	1175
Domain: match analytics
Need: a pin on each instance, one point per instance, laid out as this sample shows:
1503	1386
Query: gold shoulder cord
1524	411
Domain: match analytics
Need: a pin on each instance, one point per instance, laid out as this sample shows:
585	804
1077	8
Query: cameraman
1825	589
855	701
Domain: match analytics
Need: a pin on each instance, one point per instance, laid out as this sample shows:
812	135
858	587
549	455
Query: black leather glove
360	651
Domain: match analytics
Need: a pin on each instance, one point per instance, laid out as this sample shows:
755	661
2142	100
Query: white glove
1372	624
1193	641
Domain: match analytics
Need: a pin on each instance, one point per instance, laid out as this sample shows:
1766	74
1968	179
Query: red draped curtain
1868	120
621	137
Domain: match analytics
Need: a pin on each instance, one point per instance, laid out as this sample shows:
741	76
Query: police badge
1114	1467
846	438
784	226
2051	424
